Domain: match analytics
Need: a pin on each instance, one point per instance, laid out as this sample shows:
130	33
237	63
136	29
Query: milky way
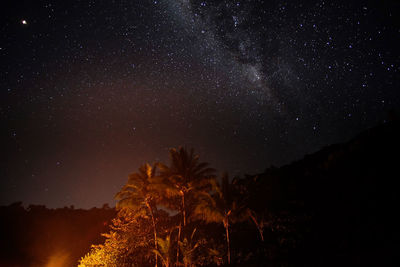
92	89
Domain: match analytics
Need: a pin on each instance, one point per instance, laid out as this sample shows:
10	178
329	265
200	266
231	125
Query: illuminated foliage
188	247
138	238
141	195
164	250
127	244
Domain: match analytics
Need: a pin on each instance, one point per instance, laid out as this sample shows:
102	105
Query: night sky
90	90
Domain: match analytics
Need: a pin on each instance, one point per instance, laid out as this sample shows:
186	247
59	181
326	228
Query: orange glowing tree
183	179
141	194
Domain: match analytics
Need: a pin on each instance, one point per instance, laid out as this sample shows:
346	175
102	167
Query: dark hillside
338	206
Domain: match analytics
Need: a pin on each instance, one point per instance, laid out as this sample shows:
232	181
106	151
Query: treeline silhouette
336	207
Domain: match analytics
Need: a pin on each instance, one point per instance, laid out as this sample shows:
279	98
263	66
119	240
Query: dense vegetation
336	207
333	208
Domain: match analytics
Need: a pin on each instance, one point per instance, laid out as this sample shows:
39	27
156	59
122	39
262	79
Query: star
113	85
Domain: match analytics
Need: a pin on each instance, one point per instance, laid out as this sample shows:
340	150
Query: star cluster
89	90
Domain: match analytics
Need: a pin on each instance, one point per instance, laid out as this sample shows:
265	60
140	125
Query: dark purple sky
89	90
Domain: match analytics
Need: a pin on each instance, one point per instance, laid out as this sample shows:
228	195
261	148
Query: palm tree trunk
180	225
226	224
183	210
179	239
154	231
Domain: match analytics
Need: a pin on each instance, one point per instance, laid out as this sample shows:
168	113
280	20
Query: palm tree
182	179
141	195
218	207
260	223
186	175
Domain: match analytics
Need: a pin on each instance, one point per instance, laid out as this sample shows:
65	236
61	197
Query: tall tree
141	194
183	178
219	207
